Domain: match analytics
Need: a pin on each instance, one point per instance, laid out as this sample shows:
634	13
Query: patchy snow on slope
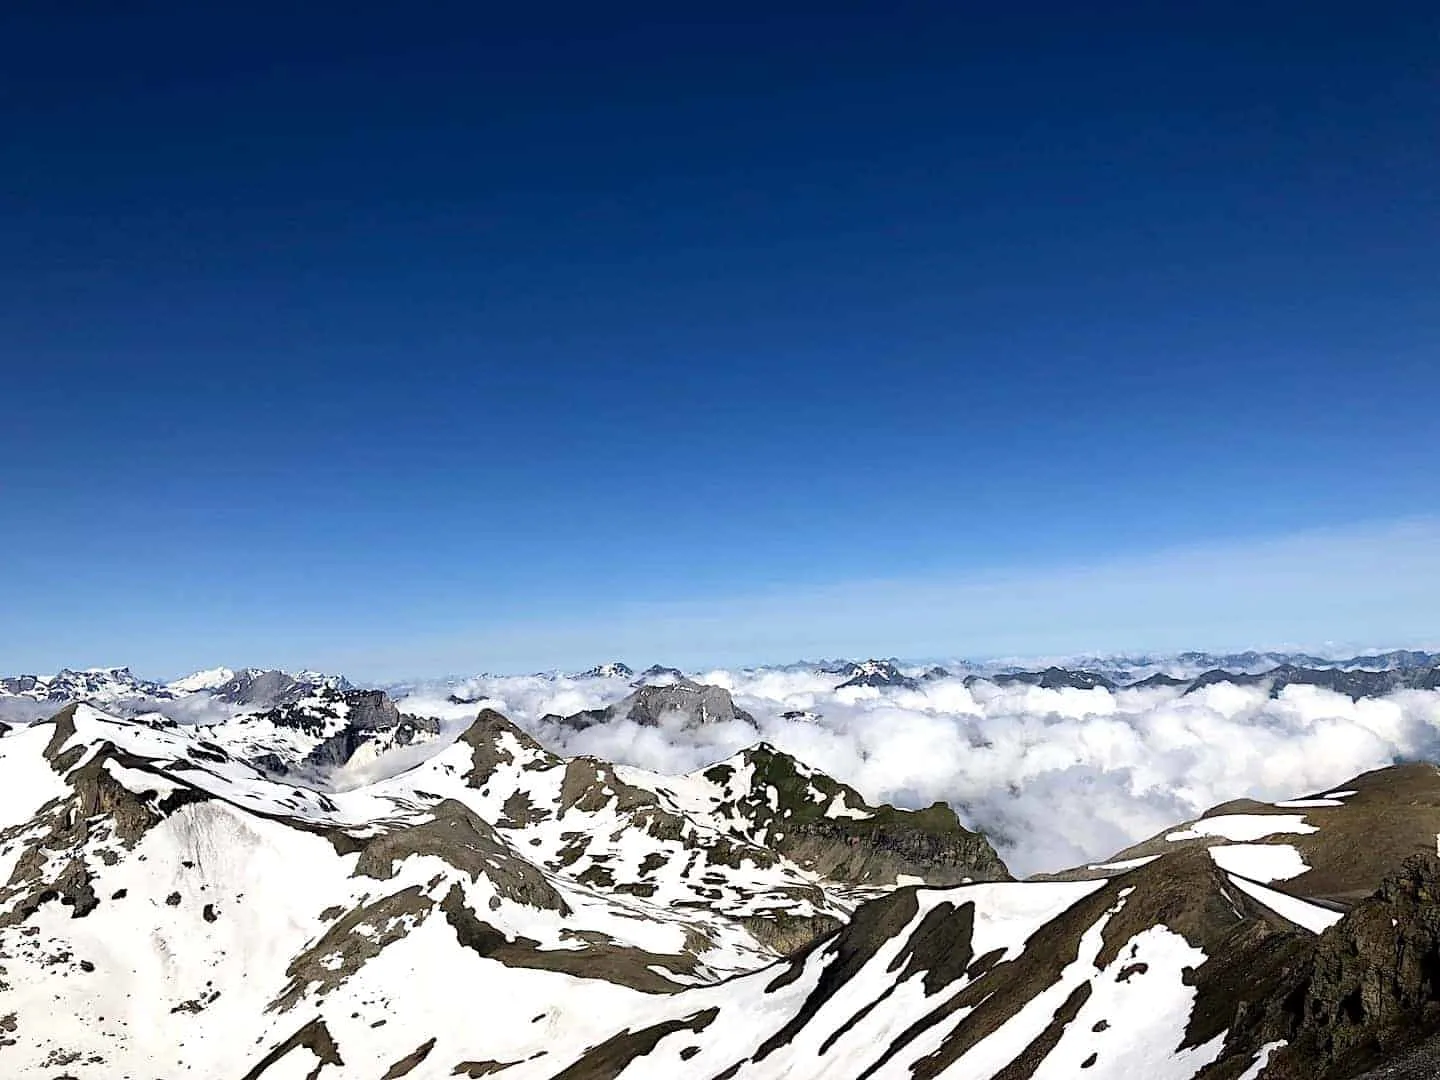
1142	1003
1312	917
839	808
1124	864
1259	862
25	786
1262	1058
1243	827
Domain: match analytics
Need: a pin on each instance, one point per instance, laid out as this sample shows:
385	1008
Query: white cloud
1056	777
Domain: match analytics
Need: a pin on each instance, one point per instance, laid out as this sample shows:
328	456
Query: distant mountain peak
614	669
685	701
876	673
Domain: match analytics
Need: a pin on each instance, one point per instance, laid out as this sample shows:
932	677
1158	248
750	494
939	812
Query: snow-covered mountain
610	670
90	684
328	730
875	673
119	688
210	679
495	908
267	687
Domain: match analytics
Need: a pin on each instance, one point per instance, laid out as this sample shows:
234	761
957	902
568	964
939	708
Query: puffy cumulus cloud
1055	777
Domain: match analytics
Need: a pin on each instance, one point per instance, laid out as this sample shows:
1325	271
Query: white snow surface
1262	1058
1243	827
201	680
1259	862
1312	917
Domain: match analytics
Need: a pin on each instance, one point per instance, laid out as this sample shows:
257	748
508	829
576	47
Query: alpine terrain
254	896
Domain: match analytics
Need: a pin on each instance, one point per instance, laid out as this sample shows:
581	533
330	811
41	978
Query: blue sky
461	338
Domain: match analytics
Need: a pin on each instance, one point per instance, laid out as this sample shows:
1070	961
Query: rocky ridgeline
1363	993
684	701
826	826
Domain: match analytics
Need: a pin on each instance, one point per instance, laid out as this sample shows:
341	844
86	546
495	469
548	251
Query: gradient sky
426	338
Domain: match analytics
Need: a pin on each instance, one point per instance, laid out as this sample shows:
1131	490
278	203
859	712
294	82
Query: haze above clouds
1354	587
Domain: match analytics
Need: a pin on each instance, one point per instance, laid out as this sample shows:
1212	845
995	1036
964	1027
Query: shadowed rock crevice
314	1037
611	1057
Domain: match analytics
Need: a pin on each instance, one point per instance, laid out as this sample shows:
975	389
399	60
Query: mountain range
204	899
1360	676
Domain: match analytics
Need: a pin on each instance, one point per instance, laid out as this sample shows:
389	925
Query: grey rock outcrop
268	688
1364	993
861	843
363	715
687	701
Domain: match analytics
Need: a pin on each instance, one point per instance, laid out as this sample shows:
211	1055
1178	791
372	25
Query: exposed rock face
1364	992
827	827
689	702
343	721
268	688
460	838
656	673
930	845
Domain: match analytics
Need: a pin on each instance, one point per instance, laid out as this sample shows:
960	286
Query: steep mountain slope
268	688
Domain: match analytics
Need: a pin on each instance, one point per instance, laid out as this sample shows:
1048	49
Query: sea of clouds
1054	777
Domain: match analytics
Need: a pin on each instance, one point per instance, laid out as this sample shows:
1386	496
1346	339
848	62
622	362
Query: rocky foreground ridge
172	905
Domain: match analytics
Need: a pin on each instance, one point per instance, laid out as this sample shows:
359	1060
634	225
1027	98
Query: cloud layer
1055	777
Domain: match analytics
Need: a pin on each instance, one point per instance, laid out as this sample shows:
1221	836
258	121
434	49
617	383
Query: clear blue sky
446	337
